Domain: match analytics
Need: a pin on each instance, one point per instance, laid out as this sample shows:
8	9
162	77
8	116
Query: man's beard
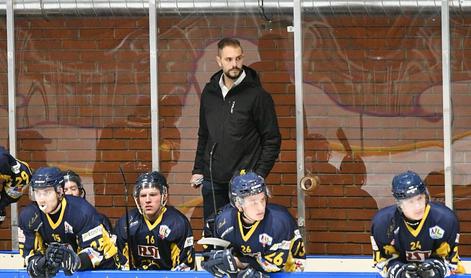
233	77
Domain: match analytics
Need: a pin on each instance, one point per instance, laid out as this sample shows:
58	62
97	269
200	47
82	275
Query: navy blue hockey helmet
246	184
47	177
407	185
151	180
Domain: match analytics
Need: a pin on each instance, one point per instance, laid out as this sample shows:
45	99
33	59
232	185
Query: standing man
238	128
61	232
159	236
14	175
415	237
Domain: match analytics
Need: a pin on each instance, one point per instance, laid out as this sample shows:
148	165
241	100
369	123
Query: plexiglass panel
84	100
460	35
187	60
373	108
5	228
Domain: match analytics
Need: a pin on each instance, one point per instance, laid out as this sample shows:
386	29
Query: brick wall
372	108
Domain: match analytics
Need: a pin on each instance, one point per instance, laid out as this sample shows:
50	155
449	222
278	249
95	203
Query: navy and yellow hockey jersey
166	244
273	244
14	176
78	224
436	236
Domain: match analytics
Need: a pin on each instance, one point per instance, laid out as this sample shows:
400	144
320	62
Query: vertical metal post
154	98
447	109
298	82
12	110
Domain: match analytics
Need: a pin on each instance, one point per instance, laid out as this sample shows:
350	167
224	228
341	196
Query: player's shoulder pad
383	219
175	216
442	214
225	219
30	217
81	205
280	220
5	161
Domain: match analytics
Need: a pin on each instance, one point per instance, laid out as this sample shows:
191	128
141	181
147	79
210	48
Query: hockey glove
432	268
249	272
220	263
409	270
37	266
65	257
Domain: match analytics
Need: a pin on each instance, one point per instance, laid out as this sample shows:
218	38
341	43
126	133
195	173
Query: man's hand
65	257
432	268
220	263
409	270
196	180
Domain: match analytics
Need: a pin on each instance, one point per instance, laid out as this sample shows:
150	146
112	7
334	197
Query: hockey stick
131	265
211	175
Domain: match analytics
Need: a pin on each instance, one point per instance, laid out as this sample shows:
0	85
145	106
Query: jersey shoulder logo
265	239
68	228
164	231
436	232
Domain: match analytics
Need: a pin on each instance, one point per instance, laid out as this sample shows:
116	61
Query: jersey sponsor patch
148	251
417	256
436	232
91	234
21	235
188	242
164	231
265	239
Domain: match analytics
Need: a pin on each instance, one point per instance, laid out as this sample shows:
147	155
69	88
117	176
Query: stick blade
214	241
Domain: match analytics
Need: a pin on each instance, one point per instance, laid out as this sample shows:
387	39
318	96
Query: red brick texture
372	93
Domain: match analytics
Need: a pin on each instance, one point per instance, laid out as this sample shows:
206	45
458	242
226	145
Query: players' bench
11	265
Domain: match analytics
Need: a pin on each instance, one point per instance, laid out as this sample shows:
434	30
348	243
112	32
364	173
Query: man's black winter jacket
242	129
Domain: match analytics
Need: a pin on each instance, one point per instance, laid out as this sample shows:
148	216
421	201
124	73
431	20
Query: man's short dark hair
228	42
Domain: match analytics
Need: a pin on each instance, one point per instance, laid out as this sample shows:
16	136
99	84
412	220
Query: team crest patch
265	239
68	228
436	232
164	231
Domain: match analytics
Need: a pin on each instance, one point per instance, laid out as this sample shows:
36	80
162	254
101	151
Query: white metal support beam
12	110
154	96
447	109
298	81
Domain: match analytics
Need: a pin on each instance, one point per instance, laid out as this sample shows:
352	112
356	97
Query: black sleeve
202	140
267	126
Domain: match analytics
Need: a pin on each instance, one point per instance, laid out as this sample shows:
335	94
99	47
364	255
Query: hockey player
263	237
61	232
14	175
416	237
73	186
160	236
